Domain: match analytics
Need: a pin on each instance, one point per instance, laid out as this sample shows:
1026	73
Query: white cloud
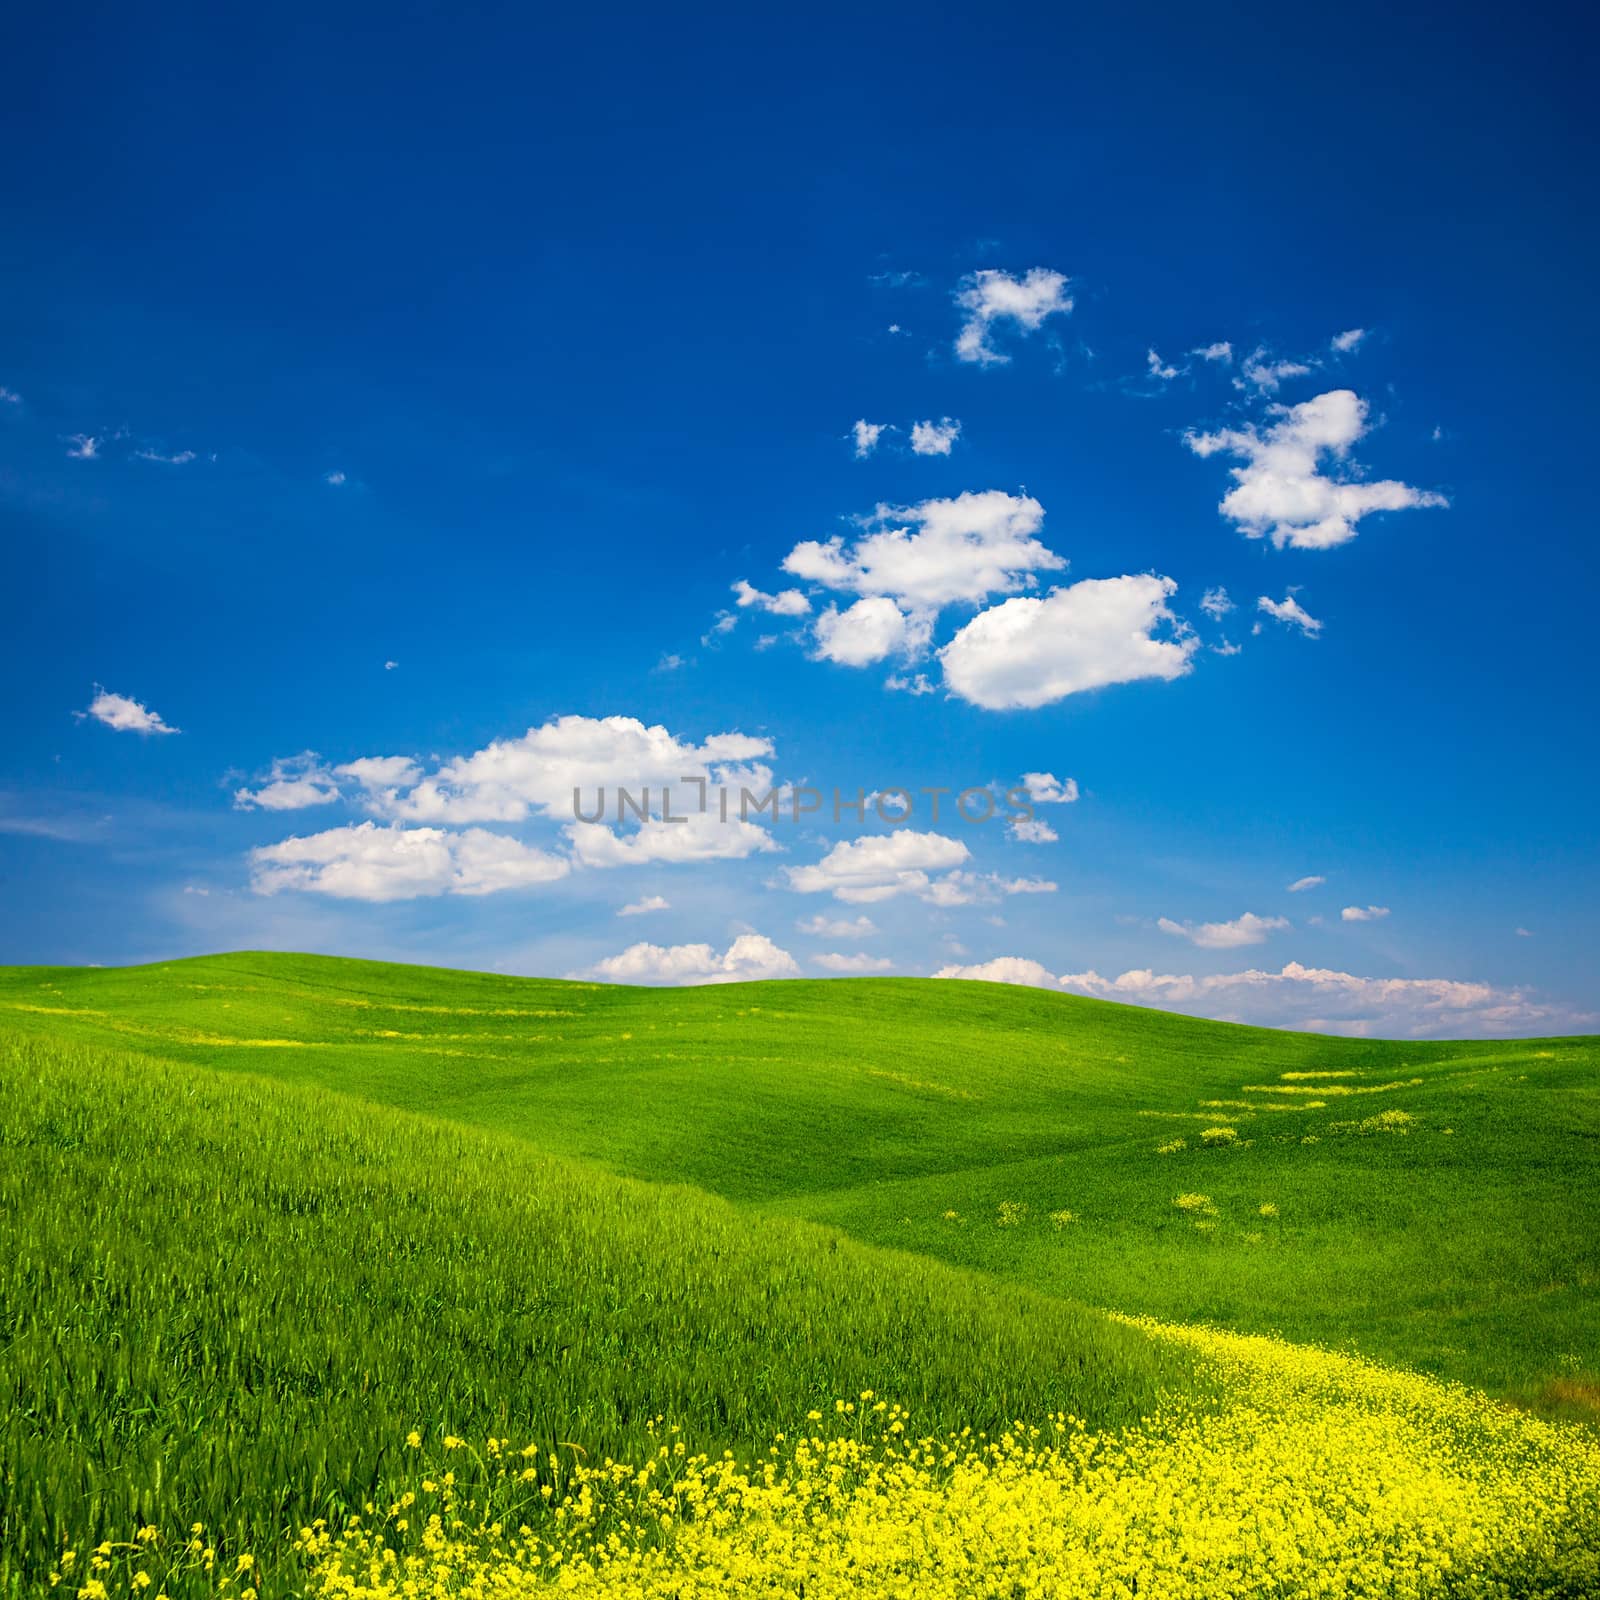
980	888
381	778
334	478
866	435
1327	1001
879	866
790	603
912	684
855	963
124	715
750	957
1300	885
1524	933
1281	491
9	397
181	459
1291	611
368	861
870	630
1031	652
1364	913
934	438
1221	351
510	779
1158	369
990	297
1004	969
1313	998
1349	340
1045	789
389	666
825	927
1264	374
700	836
1215	603
1246	929
643	908
1031	830
936	553
83	447
292	784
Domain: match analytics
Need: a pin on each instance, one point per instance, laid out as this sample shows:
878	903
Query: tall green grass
226	1300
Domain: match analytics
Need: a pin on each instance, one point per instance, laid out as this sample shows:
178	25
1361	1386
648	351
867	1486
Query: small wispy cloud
83	447
644	907
1300	885
866	436
1245	929
334	478
991	298
934	438
181	459
1290	610
1364	913
1347	341
1221	351
123	714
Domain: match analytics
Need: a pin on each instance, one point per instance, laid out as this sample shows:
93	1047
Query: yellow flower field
1312	1474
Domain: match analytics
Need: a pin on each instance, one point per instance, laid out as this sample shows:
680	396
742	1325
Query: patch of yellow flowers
1310	1474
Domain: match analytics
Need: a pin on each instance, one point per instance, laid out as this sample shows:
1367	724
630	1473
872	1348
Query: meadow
270	1217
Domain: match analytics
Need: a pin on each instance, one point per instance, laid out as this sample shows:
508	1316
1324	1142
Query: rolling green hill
265	1215
1467	1245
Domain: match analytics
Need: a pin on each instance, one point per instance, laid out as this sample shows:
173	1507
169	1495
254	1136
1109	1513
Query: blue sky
419	385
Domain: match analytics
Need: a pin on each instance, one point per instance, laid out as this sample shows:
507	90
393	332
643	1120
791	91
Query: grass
228	1301
879	1105
264	1215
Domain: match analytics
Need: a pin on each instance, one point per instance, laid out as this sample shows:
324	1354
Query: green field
266	1214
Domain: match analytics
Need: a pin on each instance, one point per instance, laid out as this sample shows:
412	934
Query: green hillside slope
228	1301
1427	1203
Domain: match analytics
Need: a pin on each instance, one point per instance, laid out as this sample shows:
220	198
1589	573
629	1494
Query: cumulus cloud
1364	913
700	836
990	299
1216	604
1246	929
980	888
83	447
852	963
790	603
1004	969
934	438
643	908
334	478
870	630
511	779
1221	351
1156	368
1282	490
1045	789
1312	998
124	715
1349	340
369	861
1300	885
1030	652
1032	830
1290	610
879	866
750	957
937	553
825	927
291	784
866	435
